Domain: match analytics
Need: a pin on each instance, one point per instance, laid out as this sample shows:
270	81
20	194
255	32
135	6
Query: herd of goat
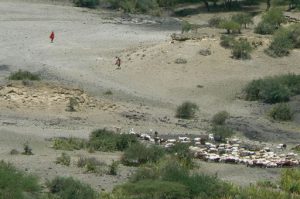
233	151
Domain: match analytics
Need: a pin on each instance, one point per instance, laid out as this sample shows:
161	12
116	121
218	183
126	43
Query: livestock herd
233	151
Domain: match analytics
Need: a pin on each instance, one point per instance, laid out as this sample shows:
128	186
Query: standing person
52	36
118	62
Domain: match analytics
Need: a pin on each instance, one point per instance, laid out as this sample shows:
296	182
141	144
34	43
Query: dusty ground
145	91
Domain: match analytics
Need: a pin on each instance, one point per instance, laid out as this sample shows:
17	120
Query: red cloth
52	35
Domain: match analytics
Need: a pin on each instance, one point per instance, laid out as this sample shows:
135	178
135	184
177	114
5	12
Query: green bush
15	184
68	188
155	189
243	19
69	144
271	21
290	180
262	193
86	3
241	49
281	44
186	110
113	168
265	28
230	26
138	154
24	75
273	89
91	165
281	111
182	155
185	26
221	132
64	159
137	6
295	34
227	41
104	140
220	118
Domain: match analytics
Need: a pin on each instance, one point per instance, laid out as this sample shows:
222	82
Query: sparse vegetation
281	111
68	188
271	21
281	44
241	49
86	3
186	110
91	165
243	19
113	168
15	184
220	118
185	26
139	154
72	104
108	92
221	132
104	140
273	89
69	144
27	149
24	75
290	180
64	159
230	26
180	61
227	41
215	21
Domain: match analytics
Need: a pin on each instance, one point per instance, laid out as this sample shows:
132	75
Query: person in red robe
52	36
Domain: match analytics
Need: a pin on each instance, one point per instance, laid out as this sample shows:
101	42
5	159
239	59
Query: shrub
265	28
215	21
72	104
113	168
242	19
281	44
145	173
230	26
295	34
281	111
133	6
91	165
138	154
24	75
186	110
27	149
15	184
262	193
274	16
86	3
104	140
290	180
180	61
69	144
182	155
227	41
221	132
273	89
154	189
241	49
64	159
108	92
185	26
68	188
220	118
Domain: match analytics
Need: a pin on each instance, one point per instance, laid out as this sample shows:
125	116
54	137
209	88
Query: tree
242	19
274	16
230	26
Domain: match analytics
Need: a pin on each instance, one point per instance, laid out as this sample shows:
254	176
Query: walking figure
52	36
118	62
